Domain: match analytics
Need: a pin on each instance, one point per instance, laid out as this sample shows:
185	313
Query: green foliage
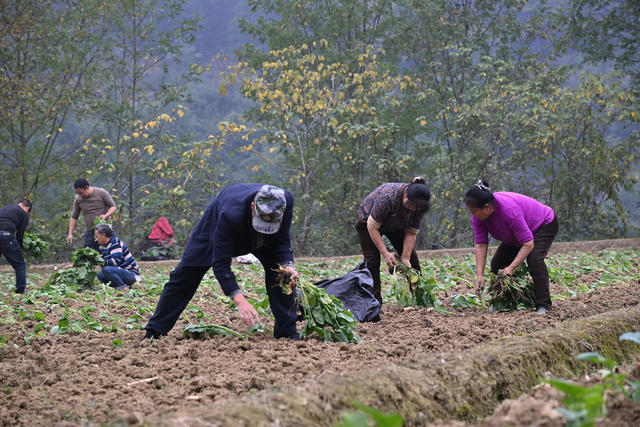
324	314
196	331
421	288
82	274
515	292
367	416
99	221
584	405
604	31
34	246
465	301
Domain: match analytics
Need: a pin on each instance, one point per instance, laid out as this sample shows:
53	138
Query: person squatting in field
93	202
524	226
13	223
243	218
119	266
394	210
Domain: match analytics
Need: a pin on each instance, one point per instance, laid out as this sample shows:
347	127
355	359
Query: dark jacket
225	231
14	220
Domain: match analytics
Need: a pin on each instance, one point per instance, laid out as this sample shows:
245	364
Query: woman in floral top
396	211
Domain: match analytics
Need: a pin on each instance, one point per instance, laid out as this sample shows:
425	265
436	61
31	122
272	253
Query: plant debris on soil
108	375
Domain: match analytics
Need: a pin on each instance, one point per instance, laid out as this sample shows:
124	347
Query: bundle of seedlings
323	314
509	293
197	331
99	221
82	273
34	246
420	287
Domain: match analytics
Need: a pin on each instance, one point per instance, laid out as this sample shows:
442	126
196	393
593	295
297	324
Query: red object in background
162	232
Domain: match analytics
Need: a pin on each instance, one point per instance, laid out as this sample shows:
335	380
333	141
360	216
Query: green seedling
508	293
196	331
324	314
584	405
34	246
465	301
421	288
82	273
367	416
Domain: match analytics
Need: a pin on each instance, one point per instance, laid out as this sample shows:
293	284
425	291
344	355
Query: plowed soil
81	379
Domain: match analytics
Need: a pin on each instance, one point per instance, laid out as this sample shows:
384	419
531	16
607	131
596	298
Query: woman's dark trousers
542	239
372	254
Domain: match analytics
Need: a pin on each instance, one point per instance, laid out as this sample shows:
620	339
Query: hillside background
163	102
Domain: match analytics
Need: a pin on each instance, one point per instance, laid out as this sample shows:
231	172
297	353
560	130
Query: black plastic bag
355	290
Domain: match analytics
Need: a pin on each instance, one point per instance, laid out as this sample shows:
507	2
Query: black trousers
90	239
372	254
184	281
10	248
542	239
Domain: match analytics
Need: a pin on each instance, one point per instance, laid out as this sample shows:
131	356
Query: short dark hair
26	203
80	183
104	229
479	195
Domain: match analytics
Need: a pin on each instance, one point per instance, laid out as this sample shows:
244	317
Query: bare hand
479	285
293	275
248	314
508	271
390	259
70	239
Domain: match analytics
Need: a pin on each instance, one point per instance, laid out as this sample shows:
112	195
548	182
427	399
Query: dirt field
81	379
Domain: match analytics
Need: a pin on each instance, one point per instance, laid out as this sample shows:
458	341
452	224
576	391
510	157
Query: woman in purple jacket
525	227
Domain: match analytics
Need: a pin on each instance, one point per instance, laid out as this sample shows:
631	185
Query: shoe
121	288
541	310
295	337
19	291
151	334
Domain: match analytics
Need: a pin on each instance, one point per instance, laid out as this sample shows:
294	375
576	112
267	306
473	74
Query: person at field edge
120	269
394	210
243	218
524	226
13	222
93	202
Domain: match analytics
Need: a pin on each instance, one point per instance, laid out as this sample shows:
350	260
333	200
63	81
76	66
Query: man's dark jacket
14	220
225	231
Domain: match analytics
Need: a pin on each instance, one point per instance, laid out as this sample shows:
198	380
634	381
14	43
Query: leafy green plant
324	314
465	301
66	324
367	416
584	405
515	292
99	221
196	331
82	273
420	287
34	246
